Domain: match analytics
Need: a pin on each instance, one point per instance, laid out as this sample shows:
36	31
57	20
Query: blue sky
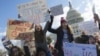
8	9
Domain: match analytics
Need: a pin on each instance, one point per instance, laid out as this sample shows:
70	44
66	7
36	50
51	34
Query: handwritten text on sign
79	49
55	9
33	11
16	27
28	36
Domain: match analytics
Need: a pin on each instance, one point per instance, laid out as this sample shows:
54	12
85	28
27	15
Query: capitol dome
73	16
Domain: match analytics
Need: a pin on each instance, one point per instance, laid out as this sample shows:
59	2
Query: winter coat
40	38
60	34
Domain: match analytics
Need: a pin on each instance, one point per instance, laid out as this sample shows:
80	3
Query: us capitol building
74	18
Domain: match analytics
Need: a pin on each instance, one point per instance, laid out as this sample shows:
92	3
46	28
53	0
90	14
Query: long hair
39	35
68	28
37	32
20	53
40	50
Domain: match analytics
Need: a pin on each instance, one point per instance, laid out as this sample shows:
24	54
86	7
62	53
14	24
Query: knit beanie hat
62	20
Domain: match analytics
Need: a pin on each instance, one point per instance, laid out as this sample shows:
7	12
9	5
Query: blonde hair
97	34
70	28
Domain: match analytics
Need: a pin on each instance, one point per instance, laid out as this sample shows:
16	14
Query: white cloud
97	6
80	5
87	14
2	33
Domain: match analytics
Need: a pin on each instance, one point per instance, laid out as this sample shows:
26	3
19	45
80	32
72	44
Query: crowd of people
64	34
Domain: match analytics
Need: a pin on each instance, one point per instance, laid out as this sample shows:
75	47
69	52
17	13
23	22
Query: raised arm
99	23
8	49
96	19
46	27
50	25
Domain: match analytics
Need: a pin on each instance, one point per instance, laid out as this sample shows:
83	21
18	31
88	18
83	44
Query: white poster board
57	10
33	11
79	49
89	26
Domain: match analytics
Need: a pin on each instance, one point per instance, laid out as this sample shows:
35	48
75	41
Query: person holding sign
96	17
7	44
40	37
64	34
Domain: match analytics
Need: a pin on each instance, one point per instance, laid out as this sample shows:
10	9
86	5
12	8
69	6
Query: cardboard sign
16	27
56	10
34	12
28	36
79	49
29	40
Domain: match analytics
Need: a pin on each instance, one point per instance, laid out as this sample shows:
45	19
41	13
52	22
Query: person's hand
51	16
32	26
49	11
96	18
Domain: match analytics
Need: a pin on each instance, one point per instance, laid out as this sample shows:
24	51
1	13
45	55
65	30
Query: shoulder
70	28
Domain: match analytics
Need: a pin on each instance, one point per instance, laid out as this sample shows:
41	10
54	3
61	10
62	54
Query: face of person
97	38
38	27
91	41
64	24
42	53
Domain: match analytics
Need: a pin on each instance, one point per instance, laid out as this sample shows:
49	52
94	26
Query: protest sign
34	12
17	43
16	27
71	49
56	10
29	40
27	36
89	26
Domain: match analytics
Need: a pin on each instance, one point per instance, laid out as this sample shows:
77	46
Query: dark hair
39	35
39	50
20	53
41	31
92	37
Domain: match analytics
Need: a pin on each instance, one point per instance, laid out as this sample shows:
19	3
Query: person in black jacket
64	34
26	50
84	37
7	44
